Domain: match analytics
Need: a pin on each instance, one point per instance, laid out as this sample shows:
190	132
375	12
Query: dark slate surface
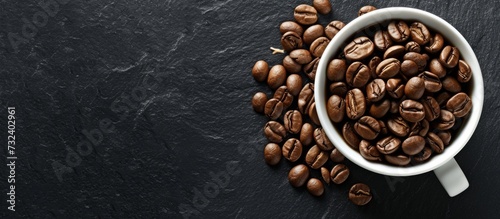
174	79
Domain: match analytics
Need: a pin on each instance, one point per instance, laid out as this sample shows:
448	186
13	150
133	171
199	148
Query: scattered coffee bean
360	194
306	134
272	154
292	149
395	88
322	6
325	174
336	156
306	98
365	9
291	26
315	187
322	140
312	33
291	66
282	94
380	109
375	90
305	14
276	77
290	41
259	102
294	84
409	68
339	174
316	157
313	114
293	121
415	88
260	71
310	68
301	56
273	109
318	46
333	28
298	175
274	132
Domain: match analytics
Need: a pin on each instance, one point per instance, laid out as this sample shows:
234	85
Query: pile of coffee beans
398	95
293	130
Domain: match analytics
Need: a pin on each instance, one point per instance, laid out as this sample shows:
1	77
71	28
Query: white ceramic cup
444	165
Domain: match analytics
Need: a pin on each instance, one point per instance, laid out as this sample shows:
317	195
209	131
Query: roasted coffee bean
336	70
316	157
395	88
398	126
435	142
325	174
355	104
431	81
436	68
313	114
419	128
368	151
399	31
442	98
359	49
412	46
306	134
283	95
276	77
336	156
298	175
290	41
360	194
315	187
273	108
294	84
301	56
310	68
413	145
357	75
292	149
436	44
415	88
382	40
424	155
259	101
367	127
411	110
388	68
272	154
431	108
365	9
291	66
312	33
380	109
397	159
322	140
306	98
322	6
291	26
305	14
420	33
388	145
464	72
375	90
374	62
451	84
274	131
260	71
333	28
383	128
338	88
335	108
445	136
352	139
460	104
409	68
394	107
449	56
394	51
318	46
446	120
339	174
293	121
419	59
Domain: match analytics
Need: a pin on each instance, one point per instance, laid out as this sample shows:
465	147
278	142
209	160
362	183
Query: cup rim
453	36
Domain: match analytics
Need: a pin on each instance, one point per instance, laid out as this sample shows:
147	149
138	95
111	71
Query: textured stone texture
89	61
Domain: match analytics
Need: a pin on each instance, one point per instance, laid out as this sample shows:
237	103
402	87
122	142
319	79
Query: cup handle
452	177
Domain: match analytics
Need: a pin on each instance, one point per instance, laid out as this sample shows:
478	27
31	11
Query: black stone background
88	64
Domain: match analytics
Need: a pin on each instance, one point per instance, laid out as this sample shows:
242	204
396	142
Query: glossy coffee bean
336	70
274	131
369	151
259	101
464	72
355	104
380	109
436	68
351	138
436	43
333	28
306	98
273	109
388	68
360	194
411	110
388	145
413	145
318	46
359	49
336	156
445	121
398	126
291	66
374	62
395	88
315	187
397	159
409	68
432	82
290	41
451	84
395	51
423	155
357	74
260	71
310	68
367	127
312	33
431	108
420	128
415	88
276	77
313	114
435	143
272	154
449	56
316	157
399	31
306	136
298	175
292	149
283	94
291	26
338	88
301	56
293	121
420	33
412	46
335	108
460	104
339	174
375	90
419	59
294	84
365	9
322	6
445	136
322	140
305	14
382	40
325	174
